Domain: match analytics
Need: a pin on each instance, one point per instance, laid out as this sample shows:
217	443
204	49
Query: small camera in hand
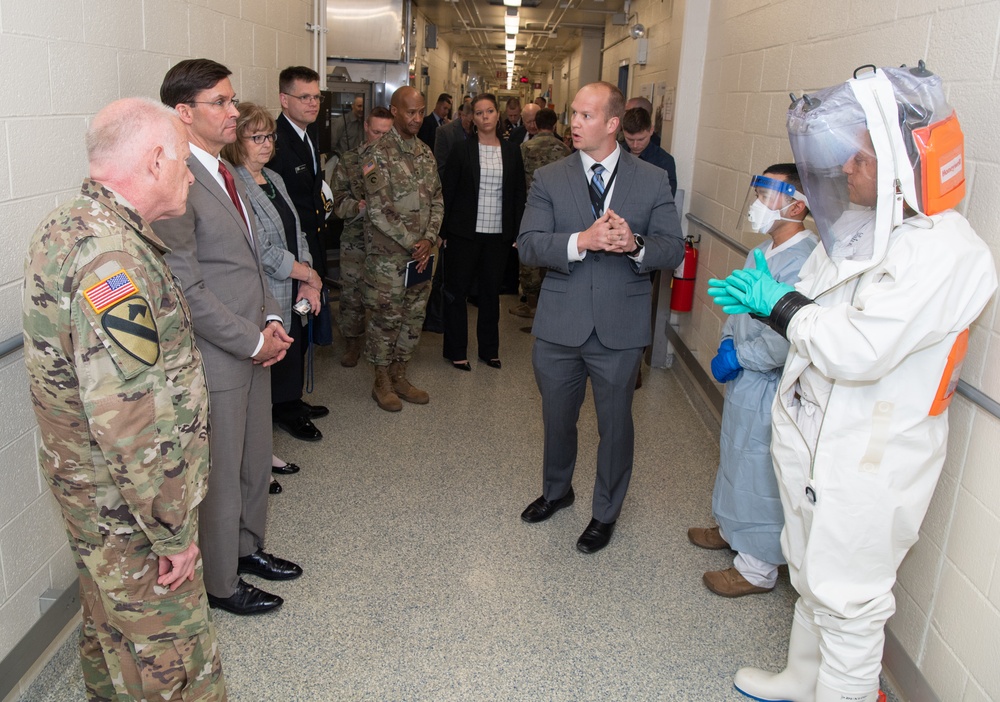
303	307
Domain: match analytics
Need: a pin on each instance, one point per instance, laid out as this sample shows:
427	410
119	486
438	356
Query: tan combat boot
382	391
352	353
402	387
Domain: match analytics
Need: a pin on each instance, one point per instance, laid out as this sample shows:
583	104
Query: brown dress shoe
710	538
730	583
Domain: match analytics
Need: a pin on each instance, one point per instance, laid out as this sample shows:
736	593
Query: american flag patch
368	167
109	291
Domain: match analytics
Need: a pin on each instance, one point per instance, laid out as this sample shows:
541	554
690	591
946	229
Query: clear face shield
872	151
766	204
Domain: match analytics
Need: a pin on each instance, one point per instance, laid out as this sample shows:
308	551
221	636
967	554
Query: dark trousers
481	259
561	373
288	374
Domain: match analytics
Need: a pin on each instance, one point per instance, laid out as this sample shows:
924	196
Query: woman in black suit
484	196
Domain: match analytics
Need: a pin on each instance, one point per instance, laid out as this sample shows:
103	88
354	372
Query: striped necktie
597	190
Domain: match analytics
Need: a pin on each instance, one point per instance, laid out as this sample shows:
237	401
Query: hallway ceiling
549	30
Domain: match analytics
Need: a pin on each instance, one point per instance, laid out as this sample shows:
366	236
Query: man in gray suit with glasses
237	324
600	220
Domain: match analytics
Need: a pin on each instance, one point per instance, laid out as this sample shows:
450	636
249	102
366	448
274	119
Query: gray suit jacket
606	292
221	278
445	140
272	246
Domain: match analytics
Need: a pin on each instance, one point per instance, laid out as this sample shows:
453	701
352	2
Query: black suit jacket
517	135
428	130
461	189
294	164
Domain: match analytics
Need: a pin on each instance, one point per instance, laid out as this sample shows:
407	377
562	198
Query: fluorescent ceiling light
511	21
512	3
510	43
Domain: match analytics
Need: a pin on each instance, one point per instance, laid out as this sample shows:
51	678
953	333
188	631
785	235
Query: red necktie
227	177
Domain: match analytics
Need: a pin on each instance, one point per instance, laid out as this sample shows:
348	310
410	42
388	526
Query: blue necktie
597	190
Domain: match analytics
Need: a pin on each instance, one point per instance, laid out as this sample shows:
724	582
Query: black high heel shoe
462	365
492	362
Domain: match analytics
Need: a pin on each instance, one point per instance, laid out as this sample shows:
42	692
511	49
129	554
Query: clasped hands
276	343
609	232
749	291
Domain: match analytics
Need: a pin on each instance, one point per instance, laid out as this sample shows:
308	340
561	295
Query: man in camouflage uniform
402	221
349	205
119	392
542	149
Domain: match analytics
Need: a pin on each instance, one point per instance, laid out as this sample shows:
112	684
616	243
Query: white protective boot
797	682
828	694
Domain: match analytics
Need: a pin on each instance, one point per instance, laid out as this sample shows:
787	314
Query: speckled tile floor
422	583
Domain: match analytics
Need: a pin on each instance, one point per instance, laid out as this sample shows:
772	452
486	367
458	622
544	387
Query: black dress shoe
246	600
541	509
314	411
595	537
491	362
300	428
269	567
462	365
287	469
274	488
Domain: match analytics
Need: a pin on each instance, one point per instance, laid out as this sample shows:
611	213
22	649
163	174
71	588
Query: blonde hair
253	118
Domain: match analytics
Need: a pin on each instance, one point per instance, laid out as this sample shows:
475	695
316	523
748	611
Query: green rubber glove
730	305
757	289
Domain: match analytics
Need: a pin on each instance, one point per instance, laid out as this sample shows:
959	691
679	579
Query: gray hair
126	128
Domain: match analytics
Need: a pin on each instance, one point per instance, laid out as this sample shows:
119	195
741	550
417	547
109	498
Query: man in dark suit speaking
600	220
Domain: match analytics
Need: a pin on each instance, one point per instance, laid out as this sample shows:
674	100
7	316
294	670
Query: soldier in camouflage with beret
119	392
349	205
402	220
541	150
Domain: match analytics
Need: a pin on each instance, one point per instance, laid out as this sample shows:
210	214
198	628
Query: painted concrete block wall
664	24
444	66
60	62
948	591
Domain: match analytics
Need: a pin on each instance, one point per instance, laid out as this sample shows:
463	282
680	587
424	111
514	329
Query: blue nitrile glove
756	289
729	304
726	366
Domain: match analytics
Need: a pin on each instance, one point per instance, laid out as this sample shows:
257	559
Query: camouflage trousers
531	279
140	641
396	313
352	261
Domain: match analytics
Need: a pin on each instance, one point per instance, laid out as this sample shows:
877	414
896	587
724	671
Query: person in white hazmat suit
877	326
745	500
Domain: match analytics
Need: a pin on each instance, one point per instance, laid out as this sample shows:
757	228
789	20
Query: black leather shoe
541	509
314	411
462	365
287	469
491	362
269	567
595	537
300	428
274	488
246	600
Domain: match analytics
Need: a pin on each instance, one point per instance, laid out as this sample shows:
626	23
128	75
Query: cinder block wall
948	592
60	62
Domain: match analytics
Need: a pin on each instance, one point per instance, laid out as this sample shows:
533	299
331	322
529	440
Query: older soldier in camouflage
119	392
402	221
541	150
349	205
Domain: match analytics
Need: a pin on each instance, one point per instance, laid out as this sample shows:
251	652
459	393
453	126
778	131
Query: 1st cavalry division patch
130	325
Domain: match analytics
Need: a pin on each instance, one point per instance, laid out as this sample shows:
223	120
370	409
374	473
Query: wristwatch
639	244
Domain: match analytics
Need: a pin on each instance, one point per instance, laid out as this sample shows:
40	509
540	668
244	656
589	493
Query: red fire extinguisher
682	288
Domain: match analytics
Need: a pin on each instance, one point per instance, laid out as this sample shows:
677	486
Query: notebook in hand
412	277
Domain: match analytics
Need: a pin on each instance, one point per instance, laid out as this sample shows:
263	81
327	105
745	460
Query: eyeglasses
261	138
221	103
305	99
